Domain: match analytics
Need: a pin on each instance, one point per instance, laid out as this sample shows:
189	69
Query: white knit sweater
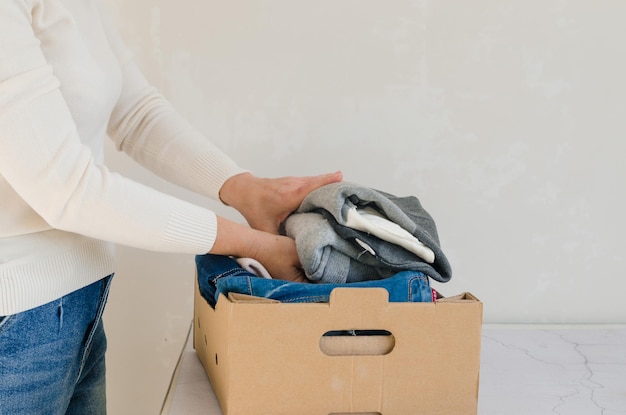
66	81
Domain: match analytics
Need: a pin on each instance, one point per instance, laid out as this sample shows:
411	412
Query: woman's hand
275	252
280	258
266	203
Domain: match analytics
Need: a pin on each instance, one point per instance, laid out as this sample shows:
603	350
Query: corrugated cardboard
268	358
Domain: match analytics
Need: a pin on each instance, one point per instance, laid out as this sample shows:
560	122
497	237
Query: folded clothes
333	250
222	275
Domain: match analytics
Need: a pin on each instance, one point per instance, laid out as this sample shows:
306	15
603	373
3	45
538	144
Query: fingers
297	276
315	182
300	277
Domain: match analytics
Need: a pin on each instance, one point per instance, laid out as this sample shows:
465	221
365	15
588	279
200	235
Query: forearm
146	127
237	240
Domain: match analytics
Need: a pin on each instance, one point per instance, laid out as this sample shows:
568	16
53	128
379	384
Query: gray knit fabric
329	251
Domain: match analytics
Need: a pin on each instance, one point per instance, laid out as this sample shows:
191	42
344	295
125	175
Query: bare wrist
236	187
236	239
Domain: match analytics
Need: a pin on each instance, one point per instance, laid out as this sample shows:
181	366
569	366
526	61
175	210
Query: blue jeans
221	275
52	357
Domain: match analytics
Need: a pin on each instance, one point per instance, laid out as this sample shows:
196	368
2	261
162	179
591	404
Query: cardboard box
270	358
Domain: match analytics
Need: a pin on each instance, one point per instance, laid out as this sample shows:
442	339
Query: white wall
506	118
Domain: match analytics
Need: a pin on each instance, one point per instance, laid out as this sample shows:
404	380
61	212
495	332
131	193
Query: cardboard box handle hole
357	343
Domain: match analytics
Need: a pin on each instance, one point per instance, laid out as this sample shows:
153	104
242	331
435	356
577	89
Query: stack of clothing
346	235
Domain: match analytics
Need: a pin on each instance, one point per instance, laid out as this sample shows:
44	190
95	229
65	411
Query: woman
67	81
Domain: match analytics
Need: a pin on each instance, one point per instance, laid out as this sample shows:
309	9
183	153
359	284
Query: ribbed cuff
192	230
210	172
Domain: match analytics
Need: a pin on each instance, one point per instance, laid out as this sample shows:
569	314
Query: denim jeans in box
221	274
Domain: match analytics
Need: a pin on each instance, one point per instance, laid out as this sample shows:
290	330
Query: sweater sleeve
146	127
46	165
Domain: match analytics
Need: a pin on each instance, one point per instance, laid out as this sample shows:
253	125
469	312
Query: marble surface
525	370
553	370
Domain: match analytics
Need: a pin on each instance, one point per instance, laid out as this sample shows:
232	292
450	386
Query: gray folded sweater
331	252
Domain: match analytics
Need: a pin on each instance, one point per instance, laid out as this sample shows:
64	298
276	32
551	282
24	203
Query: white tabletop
525	370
